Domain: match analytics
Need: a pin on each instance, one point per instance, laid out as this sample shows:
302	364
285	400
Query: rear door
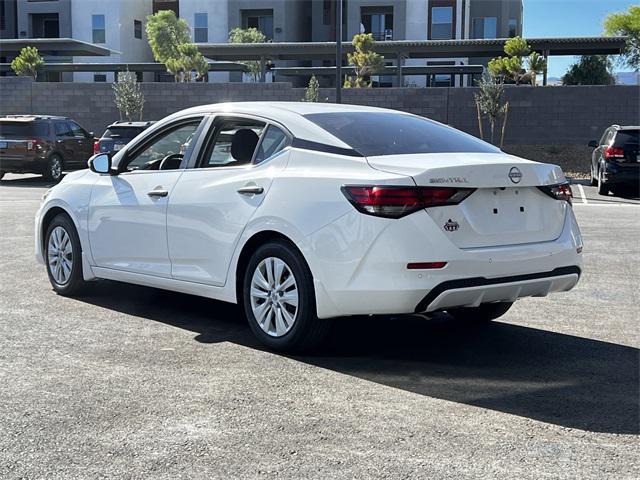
213	201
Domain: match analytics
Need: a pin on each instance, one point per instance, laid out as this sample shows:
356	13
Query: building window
327	18
440	79
485	27
100	77
441	22
513	27
137	28
172	5
378	22
200	28
98	28
45	25
3	22
259	19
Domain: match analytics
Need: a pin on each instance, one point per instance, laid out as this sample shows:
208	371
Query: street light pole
338	51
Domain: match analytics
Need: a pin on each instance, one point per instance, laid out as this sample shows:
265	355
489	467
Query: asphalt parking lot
132	382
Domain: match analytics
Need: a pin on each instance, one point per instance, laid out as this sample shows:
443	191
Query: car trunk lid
506	208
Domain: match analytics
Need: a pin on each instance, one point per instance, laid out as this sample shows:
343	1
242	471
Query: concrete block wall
537	115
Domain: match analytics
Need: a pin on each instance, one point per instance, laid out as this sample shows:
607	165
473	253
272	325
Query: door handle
158	193
251	190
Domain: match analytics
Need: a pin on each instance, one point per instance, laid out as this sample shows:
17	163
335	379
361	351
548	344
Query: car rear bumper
375	279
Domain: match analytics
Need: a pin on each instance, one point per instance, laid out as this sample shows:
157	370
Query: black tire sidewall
48	173
306	315
76	282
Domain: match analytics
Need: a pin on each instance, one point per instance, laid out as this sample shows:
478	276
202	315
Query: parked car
118	134
43	144
302	212
615	161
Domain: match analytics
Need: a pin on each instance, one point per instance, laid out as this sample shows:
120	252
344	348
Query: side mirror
100	163
91	135
593	144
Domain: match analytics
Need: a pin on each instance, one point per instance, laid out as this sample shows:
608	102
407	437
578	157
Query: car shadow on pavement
546	376
27	181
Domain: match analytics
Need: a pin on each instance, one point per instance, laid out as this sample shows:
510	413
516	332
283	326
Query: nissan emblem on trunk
451	226
515	175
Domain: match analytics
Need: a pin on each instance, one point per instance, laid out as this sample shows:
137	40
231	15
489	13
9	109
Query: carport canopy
57	47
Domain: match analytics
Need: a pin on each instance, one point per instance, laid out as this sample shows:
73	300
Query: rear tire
603	188
484	313
54	168
63	257
279	299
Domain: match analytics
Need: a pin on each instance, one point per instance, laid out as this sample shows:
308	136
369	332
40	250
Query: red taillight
96	146
561	191
614	152
396	202
426	265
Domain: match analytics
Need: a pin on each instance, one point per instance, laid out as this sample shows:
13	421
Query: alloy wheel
55	168
60	255
274	296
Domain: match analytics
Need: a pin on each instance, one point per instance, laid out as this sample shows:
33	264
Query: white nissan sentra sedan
301	212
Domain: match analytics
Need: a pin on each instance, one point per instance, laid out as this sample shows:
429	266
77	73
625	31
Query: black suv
615	162
43	144
118	135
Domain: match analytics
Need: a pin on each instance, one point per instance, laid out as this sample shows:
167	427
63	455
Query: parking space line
582	195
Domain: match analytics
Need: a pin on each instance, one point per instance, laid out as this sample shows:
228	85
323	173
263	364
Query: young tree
589	70
365	61
249	35
27	63
627	24
170	42
491	104
128	96
512	66
312	93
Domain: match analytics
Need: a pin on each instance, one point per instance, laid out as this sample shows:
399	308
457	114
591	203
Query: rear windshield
627	137
122	132
387	133
23	129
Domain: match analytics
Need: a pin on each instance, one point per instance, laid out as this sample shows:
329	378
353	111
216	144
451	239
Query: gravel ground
132	382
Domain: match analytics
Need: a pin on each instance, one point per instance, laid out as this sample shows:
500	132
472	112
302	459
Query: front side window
201	28
77	130
273	141
98	29
442	23
62	129
234	142
174	142
382	133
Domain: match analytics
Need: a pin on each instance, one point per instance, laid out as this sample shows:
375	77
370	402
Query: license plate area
117	147
4	145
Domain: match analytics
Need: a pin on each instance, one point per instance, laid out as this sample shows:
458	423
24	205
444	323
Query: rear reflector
395	202
426	265
561	191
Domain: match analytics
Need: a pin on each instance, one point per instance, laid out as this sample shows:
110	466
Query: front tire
481	314
54	168
279	299
63	257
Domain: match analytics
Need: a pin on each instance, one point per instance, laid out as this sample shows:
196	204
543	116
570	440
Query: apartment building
120	25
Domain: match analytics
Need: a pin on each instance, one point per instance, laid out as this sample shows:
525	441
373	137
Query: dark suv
615	162
118	135
43	144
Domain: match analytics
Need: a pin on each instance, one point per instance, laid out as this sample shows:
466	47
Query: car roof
31	118
130	124
289	114
626	127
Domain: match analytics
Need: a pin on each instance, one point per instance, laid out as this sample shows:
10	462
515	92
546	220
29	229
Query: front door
212	203
128	212
83	145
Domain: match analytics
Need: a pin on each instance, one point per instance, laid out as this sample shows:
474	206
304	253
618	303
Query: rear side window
122	132
273	141
387	133
627	137
24	129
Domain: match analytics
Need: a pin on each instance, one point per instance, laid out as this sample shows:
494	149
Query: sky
567	18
